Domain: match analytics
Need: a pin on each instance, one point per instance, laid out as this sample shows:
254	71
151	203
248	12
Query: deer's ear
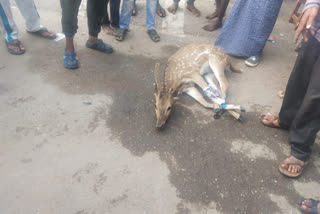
156	76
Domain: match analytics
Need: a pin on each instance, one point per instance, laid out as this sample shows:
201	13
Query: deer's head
164	99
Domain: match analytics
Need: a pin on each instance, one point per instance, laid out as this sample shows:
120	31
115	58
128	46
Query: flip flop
161	12
154	36
314	206
121	34
134	11
284	170
70	60
16	44
40	33
100	46
273	123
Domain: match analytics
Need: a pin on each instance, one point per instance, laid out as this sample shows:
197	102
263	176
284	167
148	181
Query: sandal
121	34
161	12
70	60
154	35
284	165
100	46
134	10
314	206
44	30
273	122
15	44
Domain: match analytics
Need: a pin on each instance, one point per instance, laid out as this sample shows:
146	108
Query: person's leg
222	6
115	13
150	20
95	12
69	23
306	120
160	11
106	20
9	29
174	7
215	13
125	15
134	10
297	85
192	8
151	13
31	16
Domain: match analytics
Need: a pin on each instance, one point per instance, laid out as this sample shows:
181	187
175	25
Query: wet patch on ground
203	165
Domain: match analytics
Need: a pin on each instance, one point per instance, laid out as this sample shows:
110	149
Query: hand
305	23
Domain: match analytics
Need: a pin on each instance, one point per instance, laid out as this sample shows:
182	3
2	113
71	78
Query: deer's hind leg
195	94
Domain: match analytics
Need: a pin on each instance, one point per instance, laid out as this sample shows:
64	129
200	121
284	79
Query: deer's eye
169	108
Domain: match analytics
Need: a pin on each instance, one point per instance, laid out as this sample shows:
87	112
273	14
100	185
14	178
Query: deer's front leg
198	79
195	94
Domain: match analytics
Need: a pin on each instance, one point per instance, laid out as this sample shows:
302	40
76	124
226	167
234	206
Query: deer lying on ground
195	65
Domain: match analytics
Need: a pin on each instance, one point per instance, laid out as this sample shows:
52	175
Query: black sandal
154	36
161	12
41	31
121	34
314	206
17	44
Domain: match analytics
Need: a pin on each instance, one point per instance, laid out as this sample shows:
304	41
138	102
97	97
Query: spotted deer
197	65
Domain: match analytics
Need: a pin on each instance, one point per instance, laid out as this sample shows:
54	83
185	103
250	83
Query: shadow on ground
202	167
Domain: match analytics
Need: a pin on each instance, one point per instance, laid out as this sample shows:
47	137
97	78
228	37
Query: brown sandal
273	122
284	165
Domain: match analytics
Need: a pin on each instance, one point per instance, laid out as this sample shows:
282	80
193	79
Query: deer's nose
159	124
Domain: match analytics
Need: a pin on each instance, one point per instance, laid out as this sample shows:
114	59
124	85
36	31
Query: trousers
300	110
29	12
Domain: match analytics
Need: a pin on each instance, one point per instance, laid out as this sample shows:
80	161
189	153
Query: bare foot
173	8
193	10
108	30
213	26
212	15
306	206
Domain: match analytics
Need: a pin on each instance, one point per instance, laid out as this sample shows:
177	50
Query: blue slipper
70	60
100	46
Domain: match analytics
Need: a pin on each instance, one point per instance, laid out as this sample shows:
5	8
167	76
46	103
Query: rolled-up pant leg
95	13
300	110
69	20
7	24
30	14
